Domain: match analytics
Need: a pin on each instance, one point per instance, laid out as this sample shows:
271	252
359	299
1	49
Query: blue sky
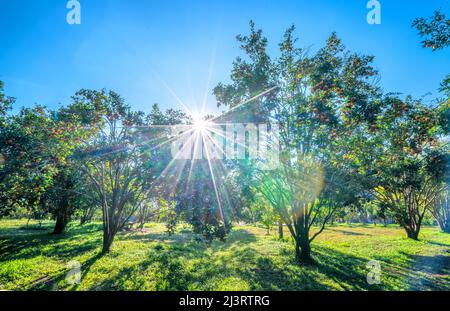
141	48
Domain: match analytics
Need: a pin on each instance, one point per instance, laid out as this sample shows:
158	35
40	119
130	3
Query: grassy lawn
33	259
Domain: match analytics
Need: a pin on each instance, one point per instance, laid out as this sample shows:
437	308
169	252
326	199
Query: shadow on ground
27	244
429	272
178	262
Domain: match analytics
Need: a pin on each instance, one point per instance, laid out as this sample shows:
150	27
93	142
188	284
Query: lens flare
200	125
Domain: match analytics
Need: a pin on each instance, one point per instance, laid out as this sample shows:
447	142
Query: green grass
32	259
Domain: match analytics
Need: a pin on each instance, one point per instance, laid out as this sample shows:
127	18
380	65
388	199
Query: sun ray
219	204
174	158
188	111
244	102
211	129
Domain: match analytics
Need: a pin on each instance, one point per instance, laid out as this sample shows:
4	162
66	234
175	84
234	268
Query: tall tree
123	157
436	33
38	171
441	211
435	30
317	100
403	160
5	105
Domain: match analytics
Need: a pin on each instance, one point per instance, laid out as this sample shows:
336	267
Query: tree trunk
87	216
446	228
108	238
64	209
303	250
62	219
280	229
111	225
444	223
412	233
83	220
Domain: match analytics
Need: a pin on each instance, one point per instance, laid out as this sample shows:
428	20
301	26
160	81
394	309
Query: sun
200	124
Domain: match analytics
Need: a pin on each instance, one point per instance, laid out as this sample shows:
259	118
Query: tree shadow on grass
265	273
346	232
348	271
429	272
25	245
160	270
155	237
164	268
285	273
48	283
438	243
236	237
165	265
